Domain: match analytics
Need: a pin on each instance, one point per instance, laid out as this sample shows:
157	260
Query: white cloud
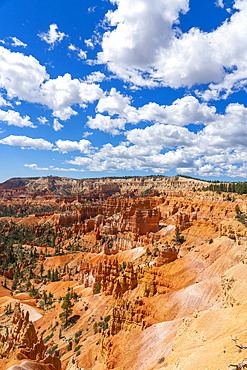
80	161
13	118
95	77
3	102
23	77
57	125
144	47
52	36
80	53
34	166
113	103
27	142
89	43
92	9
159	134
140	31
66	146
17	42
20	75
218	148
181	113
86	134
220	3
42	120
72	47
59	94
106	124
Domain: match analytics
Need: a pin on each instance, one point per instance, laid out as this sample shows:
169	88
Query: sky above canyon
92	88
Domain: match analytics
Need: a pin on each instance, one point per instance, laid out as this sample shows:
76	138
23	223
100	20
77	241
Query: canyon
138	273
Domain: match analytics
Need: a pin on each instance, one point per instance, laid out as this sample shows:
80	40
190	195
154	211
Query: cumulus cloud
66	146
113	103
95	77
145	47
17	42
27	142
140	29
106	124
59	94
52	36
159	134
182	112
23	77
219	148
3	102
13	118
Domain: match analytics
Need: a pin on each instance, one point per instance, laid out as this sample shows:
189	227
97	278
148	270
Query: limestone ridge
22	342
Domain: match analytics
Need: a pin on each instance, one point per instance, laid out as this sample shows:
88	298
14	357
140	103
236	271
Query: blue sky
98	88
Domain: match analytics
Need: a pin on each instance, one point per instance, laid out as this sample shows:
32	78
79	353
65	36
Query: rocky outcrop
22	342
233	229
226	286
73	364
184	220
9	274
128	315
114	278
167	254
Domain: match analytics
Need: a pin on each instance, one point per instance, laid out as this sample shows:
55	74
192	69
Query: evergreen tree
45	298
49	274
67	309
50	298
178	237
237	209
15	282
41	270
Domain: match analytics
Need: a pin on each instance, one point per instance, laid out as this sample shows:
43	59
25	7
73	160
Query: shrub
77	348
161	360
107	318
211	241
48	338
97	289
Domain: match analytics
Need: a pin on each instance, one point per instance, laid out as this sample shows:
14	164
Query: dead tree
243	364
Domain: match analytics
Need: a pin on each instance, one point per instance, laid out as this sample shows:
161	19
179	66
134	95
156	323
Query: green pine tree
67	309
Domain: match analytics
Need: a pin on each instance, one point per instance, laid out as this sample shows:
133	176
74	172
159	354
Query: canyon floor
126	274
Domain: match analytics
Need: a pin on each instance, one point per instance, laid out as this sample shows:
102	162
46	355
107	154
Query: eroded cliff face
21	342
